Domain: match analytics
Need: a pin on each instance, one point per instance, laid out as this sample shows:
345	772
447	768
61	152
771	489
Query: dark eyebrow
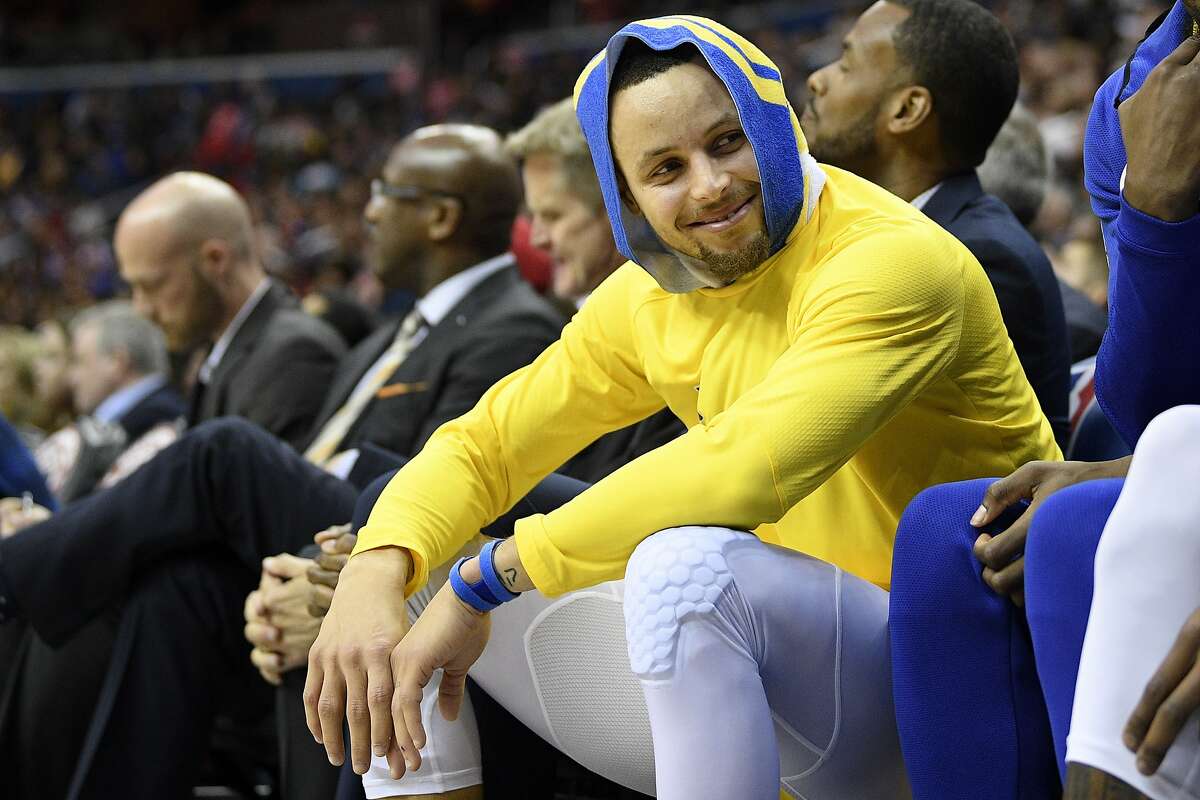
725	119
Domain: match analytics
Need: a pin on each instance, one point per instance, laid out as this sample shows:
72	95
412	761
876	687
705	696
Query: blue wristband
476	595
491	577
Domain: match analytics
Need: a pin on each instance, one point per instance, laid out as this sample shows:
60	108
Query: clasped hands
284	614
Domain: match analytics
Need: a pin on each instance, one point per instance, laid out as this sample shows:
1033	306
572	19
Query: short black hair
639	63
967	60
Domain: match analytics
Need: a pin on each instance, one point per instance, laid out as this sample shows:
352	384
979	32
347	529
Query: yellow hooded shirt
863	362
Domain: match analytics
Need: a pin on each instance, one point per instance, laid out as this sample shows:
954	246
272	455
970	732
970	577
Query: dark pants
177	546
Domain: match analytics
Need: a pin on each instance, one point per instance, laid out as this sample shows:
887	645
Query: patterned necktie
325	445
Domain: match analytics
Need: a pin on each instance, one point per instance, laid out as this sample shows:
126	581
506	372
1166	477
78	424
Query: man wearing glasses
178	545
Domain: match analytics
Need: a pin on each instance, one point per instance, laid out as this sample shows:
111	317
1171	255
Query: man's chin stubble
728	267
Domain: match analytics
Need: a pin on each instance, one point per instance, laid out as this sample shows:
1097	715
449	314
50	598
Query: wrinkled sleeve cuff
541	559
1138	229
370	539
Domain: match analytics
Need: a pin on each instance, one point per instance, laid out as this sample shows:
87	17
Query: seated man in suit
118	378
440	213
1017	171
185	245
186	248
913	104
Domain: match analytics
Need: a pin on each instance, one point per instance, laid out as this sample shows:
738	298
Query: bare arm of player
349	665
450	636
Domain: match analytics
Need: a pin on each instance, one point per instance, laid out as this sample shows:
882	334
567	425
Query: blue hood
791	183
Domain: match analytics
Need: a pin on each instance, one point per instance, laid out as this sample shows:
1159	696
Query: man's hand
16	513
1003	556
277	620
336	544
1162	139
449	636
1169	700
350	667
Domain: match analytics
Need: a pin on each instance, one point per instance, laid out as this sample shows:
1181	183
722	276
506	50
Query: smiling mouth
725	219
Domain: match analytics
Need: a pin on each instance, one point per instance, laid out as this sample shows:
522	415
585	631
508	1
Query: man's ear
445	217
216	256
909	109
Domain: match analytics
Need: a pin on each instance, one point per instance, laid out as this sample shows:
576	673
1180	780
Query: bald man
186	248
181	542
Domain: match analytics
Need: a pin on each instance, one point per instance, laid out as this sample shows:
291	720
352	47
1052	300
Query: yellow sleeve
880	323
476	467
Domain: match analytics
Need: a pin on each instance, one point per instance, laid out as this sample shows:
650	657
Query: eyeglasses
407	191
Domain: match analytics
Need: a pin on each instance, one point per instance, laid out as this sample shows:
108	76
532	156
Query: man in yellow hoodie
831	351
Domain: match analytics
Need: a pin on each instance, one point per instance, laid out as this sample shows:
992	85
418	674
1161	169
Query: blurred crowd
302	154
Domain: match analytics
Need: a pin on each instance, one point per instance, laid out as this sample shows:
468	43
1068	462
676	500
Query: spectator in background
571	223
563	197
18	403
18	475
186	248
50	375
1016	170
118	377
215	496
917	97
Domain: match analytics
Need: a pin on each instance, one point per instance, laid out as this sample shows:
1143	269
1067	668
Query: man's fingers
379	703
998	551
450	693
322	577
332	532
312	694
406	708
286	566
261	635
319	600
1180	659
334	562
1004	492
1007	581
331	708
395	760
1168	720
266	660
358	716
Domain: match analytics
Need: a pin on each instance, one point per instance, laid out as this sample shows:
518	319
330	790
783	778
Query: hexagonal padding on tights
671	574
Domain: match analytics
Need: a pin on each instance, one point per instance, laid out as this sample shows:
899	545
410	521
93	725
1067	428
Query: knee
224	434
935	541
672	575
1171	443
1063	536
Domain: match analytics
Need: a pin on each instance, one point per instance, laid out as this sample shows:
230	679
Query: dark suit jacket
162	405
1024	282
1086	322
499	326
276	371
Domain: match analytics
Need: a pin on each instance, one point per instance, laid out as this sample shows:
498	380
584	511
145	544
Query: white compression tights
757	668
1146	587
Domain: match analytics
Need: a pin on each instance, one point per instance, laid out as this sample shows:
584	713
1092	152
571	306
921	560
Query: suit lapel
243	343
409	376
955	194
354	368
